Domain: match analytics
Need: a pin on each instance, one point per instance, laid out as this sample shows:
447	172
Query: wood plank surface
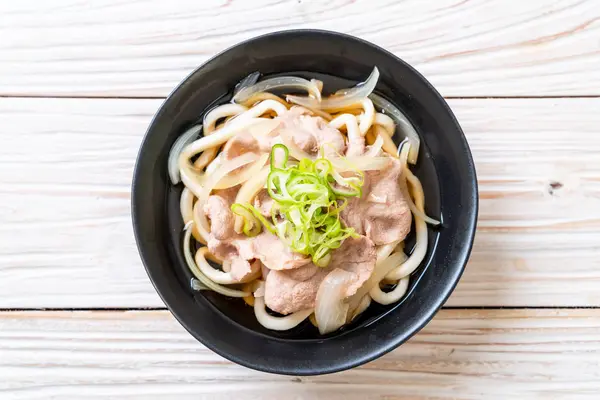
143	48
461	354
65	230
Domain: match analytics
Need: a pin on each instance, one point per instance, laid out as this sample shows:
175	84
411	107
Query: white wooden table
79	82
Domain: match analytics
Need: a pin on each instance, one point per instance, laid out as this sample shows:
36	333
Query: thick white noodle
241	177
385	250
392	296
189	259
420	250
366	119
222	111
277	323
385	122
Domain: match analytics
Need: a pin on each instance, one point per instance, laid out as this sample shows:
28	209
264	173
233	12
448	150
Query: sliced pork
296	289
381	213
263	203
310	133
293	290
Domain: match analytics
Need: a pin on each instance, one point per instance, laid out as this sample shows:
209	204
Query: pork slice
382	213
266	247
264	203
241	268
357	256
218	210
310	133
269	249
294	290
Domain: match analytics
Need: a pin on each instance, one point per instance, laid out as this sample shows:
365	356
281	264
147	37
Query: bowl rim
392	343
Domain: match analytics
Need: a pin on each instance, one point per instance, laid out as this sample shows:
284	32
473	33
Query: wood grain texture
524	354
65	230
143	48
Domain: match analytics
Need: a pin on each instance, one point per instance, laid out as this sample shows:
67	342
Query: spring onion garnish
309	197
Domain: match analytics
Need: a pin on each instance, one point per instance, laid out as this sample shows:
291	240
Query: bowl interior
445	169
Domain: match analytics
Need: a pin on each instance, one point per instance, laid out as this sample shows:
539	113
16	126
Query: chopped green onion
309	197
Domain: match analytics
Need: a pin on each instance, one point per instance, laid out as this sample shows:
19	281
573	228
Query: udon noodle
309	193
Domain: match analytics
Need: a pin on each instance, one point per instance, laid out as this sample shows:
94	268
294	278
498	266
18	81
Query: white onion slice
402	124
189	259
182	141
248	81
331	310
241	177
375	148
186	205
282	82
364	303
343	98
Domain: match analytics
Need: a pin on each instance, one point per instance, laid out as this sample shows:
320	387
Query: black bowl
445	167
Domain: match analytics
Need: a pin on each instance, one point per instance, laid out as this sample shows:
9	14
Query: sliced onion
282	82
214	164
392	296
197	285
242	176
210	183
182	141
248	81
364	303
343	98
186	206
189	259
402	124
375	147
247	193
331	310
